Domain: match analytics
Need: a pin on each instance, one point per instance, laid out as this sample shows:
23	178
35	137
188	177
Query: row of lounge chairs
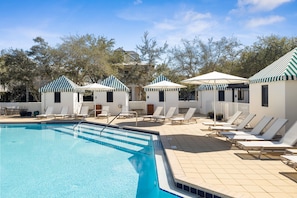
258	140
187	117
64	113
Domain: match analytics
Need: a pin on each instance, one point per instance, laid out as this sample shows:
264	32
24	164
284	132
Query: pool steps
119	139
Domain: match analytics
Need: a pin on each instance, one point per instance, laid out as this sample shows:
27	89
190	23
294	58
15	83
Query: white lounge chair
84	112
287	141
267	135
48	113
241	126
230	121
157	112
125	113
63	114
168	115
290	160
188	116
104	113
255	131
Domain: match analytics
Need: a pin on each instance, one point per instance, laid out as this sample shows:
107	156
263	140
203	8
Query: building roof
61	84
285	68
159	79
115	83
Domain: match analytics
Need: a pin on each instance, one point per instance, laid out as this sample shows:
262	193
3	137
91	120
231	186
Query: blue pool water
53	160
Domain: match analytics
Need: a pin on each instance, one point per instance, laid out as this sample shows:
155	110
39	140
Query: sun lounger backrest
190	113
246	120
261	125
64	110
49	110
84	110
105	110
170	112
290	136
158	111
232	119
274	128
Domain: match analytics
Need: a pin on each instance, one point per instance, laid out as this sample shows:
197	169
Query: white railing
229	108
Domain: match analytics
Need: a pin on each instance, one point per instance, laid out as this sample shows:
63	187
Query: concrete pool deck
209	165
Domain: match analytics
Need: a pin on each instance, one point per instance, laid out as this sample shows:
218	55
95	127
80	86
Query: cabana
273	89
156	96
60	93
115	99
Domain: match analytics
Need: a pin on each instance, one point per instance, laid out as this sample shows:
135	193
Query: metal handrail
108	124
82	119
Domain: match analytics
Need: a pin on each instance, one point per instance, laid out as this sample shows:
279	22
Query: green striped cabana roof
160	79
220	87
115	83
61	84
285	68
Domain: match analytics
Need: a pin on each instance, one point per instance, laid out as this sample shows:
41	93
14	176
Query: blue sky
127	20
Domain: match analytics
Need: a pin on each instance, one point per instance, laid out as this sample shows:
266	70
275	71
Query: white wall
276	100
69	99
205	101
171	99
290	102
120	98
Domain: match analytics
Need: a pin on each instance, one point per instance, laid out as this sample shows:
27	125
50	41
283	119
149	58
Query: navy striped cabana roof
285	68
61	84
115	83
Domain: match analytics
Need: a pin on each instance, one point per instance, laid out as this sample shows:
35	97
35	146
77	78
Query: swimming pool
53	160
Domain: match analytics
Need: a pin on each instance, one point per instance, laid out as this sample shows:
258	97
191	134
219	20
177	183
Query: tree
20	73
86	58
219	55
262	53
186	59
150	54
195	57
40	54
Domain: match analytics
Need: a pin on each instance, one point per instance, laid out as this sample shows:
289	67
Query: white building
157	97
273	90
115	99
225	95
61	92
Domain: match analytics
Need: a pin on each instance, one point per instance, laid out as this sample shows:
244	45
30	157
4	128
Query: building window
240	94
109	96
221	95
265	95
57	97
161	96
77	96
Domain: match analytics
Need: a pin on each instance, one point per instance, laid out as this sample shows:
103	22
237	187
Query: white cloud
136	2
183	25
260	5
190	20
256	22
